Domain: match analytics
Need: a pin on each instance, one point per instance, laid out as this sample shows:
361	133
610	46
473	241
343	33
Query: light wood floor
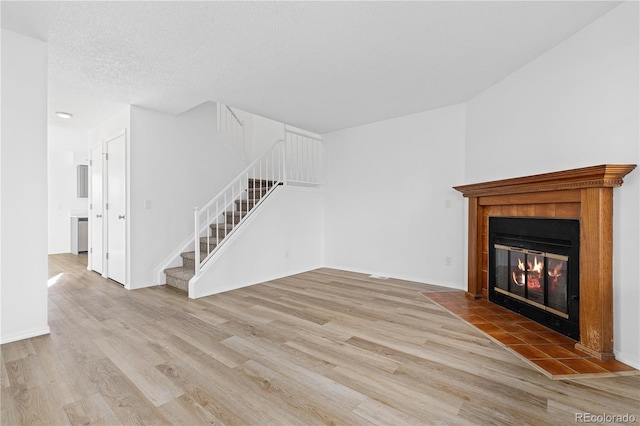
324	347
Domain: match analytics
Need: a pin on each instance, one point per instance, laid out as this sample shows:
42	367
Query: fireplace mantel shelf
585	194
605	175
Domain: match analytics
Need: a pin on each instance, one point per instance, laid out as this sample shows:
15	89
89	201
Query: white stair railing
232	129
295	160
221	216
304	155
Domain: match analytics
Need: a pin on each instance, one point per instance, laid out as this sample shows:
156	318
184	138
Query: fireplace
534	270
582	195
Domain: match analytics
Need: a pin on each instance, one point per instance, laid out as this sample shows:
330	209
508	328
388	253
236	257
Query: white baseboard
403	277
626	359
24	335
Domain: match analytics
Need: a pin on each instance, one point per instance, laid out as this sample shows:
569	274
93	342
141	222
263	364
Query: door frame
105	227
91	204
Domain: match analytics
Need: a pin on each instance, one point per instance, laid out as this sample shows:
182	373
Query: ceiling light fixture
63	114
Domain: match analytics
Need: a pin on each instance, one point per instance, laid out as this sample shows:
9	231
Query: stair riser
211	240
212	244
257	183
178	283
256	193
245	205
203	248
188	258
189	264
234	218
221	233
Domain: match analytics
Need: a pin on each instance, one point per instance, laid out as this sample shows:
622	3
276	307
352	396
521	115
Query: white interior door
116	209
96	223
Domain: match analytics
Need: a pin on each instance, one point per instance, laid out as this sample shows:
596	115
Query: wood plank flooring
323	347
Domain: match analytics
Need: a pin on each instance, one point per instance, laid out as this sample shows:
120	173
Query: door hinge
91	162
106	206
107	256
106	157
91	250
90	206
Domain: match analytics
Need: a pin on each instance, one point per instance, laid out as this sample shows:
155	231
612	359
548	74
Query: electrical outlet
447	261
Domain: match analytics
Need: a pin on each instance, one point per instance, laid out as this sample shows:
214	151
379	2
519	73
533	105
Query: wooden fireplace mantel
585	194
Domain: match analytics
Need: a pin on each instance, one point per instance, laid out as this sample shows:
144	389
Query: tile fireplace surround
585	194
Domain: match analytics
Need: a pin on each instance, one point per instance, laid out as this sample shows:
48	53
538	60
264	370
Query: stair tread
263	182
212	240
219	230
180	273
191	255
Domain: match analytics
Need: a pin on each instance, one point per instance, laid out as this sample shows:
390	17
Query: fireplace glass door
533	277
534	269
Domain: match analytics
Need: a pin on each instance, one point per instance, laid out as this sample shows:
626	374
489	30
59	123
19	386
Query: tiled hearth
550	352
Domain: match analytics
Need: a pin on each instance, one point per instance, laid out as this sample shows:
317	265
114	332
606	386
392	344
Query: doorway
109	208
96	212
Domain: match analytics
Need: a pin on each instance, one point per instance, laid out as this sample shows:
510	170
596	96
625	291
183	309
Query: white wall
23	279
67	148
176	163
284	237
264	133
260	134
110	126
574	106
388	185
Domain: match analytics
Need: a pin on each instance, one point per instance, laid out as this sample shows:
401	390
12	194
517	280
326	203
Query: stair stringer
283	236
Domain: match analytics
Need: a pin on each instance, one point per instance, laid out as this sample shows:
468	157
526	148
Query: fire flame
554	273
536	267
519	278
555	270
529	275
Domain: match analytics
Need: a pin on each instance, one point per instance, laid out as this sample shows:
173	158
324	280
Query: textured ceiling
321	66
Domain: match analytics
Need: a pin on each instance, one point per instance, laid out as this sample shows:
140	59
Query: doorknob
121	216
98	215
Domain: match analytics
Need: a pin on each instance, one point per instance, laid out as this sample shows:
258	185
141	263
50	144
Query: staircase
257	190
294	160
